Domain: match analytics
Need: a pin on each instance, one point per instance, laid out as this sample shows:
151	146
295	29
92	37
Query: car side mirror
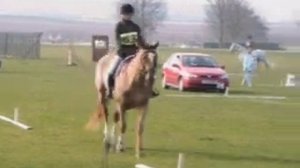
175	66
222	67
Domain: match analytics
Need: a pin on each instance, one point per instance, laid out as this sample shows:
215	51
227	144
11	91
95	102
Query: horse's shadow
222	156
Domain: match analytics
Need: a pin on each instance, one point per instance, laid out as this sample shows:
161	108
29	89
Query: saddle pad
123	64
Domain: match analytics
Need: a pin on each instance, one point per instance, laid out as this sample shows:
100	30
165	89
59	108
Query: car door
167	69
174	70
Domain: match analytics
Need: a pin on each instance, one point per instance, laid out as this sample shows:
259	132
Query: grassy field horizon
57	101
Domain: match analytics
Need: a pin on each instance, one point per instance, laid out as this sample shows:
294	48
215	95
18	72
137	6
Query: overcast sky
272	10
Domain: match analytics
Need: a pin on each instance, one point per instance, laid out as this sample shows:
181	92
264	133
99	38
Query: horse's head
236	48
148	56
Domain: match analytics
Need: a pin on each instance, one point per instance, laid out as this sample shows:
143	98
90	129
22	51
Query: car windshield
198	61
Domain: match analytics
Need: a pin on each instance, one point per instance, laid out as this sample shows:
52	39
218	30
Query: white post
70	57
226	91
180	163
16	114
15	120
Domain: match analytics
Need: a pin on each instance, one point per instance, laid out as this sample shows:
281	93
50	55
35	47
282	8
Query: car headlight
224	76
189	75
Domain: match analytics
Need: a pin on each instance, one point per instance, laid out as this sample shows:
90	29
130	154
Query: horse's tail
96	118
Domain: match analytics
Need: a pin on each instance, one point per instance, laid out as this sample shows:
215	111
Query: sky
271	10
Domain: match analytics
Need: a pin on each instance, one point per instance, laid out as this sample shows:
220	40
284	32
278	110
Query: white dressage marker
142	166
230	96
292	80
180	163
15	121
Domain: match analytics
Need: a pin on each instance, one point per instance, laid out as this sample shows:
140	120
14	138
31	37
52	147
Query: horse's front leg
120	117
140	130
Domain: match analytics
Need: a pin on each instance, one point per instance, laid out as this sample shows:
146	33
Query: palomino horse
259	54
133	89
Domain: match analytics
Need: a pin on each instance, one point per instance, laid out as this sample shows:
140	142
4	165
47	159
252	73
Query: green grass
213	132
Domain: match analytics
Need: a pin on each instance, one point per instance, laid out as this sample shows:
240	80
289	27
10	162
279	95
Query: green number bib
129	38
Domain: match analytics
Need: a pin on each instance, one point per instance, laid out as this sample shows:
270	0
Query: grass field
213	132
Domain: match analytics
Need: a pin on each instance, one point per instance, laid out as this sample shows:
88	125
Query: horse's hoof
139	155
107	147
120	148
112	149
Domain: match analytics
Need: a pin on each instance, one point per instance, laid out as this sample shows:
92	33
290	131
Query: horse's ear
154	46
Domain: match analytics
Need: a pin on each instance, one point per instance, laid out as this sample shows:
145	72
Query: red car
194	71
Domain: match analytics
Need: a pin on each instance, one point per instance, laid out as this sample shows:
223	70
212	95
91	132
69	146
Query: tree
148	14
216	18
233	20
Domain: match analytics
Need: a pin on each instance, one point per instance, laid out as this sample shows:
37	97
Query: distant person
249	67
128	35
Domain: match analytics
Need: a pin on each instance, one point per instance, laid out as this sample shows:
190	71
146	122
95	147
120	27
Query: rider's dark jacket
128	35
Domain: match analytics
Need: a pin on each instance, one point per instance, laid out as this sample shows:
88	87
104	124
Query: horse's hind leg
102	108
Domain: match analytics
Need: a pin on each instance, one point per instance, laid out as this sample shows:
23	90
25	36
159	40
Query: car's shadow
231	92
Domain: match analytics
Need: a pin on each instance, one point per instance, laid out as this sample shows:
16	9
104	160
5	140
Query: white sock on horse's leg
112	134
120	144
105	132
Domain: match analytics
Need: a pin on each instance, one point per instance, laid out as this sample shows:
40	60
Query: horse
259	54
133	89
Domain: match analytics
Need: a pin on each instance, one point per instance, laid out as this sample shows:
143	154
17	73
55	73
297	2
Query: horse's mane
141	69
142	63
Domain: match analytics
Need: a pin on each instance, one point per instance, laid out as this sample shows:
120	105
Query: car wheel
181	85
164	83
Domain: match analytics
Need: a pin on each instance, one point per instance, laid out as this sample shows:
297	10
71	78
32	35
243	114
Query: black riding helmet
127	9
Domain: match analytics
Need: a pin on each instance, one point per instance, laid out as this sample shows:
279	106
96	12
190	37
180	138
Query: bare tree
148	13
216	18
232	20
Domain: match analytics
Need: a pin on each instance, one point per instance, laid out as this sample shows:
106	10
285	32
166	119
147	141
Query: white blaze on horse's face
152	57
149	58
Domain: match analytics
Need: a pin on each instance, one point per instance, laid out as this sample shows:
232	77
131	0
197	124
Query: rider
250	47
249	44
127	34
249	62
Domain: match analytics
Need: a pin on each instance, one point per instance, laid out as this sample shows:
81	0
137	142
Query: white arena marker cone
180	163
